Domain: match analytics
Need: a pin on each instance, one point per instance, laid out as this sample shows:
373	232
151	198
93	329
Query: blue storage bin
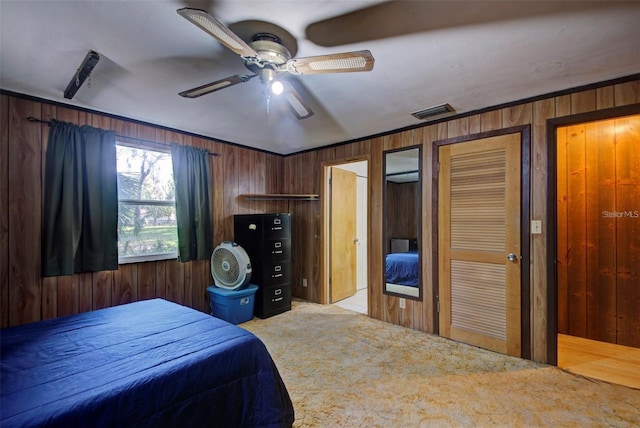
234	306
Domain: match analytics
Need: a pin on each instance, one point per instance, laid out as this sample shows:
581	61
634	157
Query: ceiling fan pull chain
268	97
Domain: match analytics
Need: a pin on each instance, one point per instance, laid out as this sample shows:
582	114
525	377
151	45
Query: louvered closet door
478	228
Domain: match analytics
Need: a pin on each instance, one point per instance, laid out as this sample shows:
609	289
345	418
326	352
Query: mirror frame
386	249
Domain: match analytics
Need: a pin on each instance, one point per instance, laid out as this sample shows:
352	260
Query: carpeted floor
344	369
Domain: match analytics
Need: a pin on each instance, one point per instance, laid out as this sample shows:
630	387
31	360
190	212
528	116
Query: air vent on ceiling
431	112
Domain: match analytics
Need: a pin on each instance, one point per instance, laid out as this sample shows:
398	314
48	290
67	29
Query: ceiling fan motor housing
271	53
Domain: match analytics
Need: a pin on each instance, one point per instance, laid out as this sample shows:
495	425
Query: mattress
149	363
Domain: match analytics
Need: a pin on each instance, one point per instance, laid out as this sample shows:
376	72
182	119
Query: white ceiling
470	54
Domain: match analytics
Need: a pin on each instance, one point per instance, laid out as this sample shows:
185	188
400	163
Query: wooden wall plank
562	221
576	231
429	134
125	284
49	284
563	105
627	93
175	281
230	191
601	243
627	148
542	111
218	195
521	114
146	280
4	213
24	211
475	124
102	283
491	120
605	98
85	292
584	101
457	127
68	301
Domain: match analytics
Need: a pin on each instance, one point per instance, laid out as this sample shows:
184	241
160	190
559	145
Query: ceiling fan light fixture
277	87
432	112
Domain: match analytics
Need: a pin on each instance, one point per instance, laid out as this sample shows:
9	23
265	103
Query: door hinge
437	166
438	306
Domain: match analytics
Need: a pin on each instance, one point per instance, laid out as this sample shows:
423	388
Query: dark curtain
80	218
193	208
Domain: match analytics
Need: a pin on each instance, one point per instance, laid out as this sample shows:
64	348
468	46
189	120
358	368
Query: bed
402	268
149	363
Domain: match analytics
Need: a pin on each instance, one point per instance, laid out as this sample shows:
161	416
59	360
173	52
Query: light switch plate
536	227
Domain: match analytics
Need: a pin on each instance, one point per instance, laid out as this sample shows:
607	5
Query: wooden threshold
600	360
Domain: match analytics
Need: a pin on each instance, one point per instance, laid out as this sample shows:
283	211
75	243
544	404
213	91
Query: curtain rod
36	120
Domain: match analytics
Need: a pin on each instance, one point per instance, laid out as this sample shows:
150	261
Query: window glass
147	227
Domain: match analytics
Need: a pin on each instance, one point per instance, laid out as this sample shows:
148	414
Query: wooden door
342	278
478	230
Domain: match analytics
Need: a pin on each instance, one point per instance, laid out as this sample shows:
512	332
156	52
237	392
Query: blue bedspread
151	363
402	268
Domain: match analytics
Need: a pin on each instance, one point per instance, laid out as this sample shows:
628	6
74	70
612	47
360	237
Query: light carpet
344	369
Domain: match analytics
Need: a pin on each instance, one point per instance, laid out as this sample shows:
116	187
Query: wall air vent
431	112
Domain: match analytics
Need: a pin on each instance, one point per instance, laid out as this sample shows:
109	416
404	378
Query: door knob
512	257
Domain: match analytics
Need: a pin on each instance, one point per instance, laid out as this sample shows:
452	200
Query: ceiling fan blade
217	29
216	86
346	62
297	105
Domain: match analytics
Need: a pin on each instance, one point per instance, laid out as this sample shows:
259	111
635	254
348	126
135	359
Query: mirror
402	221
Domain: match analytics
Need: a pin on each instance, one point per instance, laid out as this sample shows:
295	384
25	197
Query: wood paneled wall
303	174
25	296
598	231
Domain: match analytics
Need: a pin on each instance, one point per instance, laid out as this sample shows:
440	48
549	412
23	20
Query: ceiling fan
266	56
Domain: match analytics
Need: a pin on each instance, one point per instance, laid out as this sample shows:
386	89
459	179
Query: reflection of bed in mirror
402	270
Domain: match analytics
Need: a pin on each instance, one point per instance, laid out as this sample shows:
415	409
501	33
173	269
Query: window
147	228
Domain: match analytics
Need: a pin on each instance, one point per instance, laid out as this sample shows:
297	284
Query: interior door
343	234
479	259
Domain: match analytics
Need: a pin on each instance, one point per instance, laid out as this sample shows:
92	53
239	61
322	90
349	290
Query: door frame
325	238
552	211
525	196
